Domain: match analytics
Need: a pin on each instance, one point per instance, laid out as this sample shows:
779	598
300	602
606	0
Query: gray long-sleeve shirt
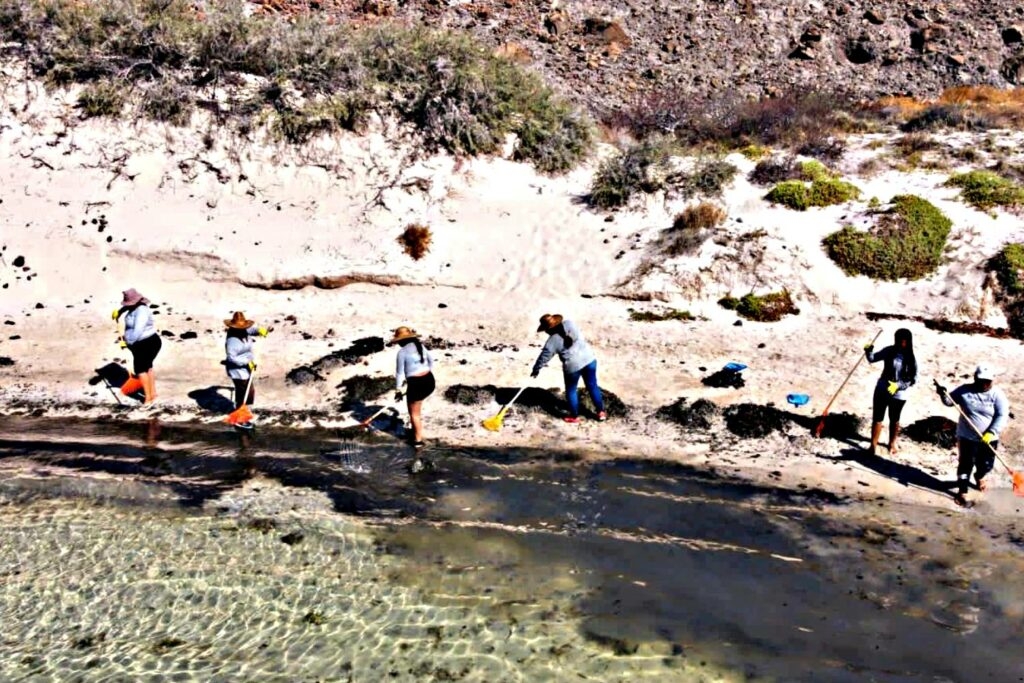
893	359
408	363
239	354
987	410
574	358
138	324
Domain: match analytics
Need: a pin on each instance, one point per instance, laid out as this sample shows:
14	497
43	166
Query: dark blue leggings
572	380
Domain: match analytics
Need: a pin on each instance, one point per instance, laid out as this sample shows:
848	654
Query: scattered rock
302	376
1012	35
293	538
18	261
354	353
188	335
874	17
860	50
557	23
6	362
39	306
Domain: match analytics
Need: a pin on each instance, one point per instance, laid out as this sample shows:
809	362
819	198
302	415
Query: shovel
1016	477
494	423
821	421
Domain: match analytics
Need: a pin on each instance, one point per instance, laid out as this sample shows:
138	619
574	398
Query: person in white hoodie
240	362
578	360
988	410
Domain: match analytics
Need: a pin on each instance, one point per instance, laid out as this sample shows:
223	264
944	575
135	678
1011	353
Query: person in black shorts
414	367
141	338
898	375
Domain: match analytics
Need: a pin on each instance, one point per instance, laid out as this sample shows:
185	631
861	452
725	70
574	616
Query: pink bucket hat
130	297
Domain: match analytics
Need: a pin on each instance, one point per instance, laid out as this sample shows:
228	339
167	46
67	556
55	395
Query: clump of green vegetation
169	102
1008	266
640	168
708	179
755	152
769	307
815	171
312	76
659	316
102	98
798	195
906	242
986	190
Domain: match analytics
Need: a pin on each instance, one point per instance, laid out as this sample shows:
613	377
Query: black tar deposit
314	372
363	388
698	415
533	399
724	378
937	430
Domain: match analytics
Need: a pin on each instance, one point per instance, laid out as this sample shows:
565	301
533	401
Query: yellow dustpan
494	423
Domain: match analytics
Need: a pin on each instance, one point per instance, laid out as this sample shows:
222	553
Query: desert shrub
690	229
815	170
948	116
640	168
769	307
986	190
415	240
169	102
774	170
659	316
1008	265
707	179
906	242
455	91
755	152
824	192
915	142
103	98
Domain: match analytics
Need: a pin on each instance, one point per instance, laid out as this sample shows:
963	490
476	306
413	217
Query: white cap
984	371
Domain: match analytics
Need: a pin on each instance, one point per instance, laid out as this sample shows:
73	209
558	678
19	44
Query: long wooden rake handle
975	430
369	420
821	421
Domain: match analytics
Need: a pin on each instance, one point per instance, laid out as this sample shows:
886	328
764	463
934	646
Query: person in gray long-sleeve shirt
899	373
414	367
140	338
240	361
578	360
984	413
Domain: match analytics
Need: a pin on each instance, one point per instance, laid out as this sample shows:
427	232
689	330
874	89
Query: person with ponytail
578	360
414	368
899	373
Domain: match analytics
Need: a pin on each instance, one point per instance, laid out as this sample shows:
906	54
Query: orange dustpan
131	386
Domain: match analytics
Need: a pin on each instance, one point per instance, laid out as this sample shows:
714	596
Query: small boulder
874	17
1012	35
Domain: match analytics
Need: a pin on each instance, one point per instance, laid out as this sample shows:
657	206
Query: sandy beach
305	239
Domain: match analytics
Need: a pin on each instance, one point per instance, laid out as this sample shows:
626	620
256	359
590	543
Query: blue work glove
893	388
988	437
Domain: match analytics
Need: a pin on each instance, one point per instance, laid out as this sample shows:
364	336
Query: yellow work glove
869	346
893	388
988	437
115	314
262	331
252	366
123	344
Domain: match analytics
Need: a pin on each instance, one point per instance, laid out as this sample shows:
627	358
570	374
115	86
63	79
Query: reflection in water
495	566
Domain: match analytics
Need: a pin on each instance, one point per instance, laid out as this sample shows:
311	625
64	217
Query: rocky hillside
606	54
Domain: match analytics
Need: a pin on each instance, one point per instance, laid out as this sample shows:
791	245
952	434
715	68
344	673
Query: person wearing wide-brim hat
240	362
988	410
414	366
578	360
140	337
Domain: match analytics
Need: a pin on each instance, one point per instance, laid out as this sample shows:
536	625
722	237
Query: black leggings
144	353
240	385
882	401
977	456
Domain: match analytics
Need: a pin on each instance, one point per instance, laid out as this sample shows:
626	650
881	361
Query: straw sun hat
403	333
238	321
549	320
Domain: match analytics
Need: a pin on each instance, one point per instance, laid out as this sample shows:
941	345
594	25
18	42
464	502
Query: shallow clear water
163	554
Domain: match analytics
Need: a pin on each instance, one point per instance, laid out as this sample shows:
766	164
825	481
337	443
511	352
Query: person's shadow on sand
114	375
904	474
211	400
